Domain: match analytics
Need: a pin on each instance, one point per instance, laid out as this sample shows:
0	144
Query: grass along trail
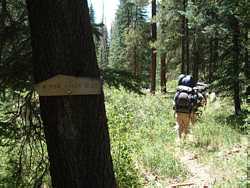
209	175
220	167
146	154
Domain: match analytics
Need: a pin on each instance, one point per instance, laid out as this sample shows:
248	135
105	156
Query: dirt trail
205	175
201	175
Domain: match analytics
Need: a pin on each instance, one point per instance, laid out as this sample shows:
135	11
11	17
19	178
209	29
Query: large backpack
183	99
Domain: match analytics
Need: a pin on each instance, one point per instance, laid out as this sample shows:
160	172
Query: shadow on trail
117	78
238	123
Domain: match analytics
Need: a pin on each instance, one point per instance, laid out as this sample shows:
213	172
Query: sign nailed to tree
62	85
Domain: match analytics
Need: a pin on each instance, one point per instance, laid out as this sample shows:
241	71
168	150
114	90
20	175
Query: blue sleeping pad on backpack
188	81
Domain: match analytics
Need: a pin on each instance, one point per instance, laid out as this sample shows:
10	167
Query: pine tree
75	126
128	49
153	50
103	48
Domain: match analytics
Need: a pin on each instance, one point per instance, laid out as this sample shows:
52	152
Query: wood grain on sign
62	85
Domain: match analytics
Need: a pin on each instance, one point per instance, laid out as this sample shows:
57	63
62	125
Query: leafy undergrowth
143	141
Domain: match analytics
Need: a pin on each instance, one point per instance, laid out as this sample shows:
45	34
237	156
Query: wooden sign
62	85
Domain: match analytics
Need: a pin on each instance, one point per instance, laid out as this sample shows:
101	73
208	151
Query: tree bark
236	64
196	57
75	126
216	52
163	73
185	67
135	63
183	40
187	47
153	51
211	61
2	26
246	56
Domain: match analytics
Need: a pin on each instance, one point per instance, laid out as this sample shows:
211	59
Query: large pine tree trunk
236	54
75	126
153	51
163	73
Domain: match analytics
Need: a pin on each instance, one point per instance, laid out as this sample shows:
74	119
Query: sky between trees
110	7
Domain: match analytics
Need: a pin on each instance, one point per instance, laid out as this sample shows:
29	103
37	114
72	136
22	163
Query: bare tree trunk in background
153	51
187	47
3	14
236	54
185	59
216	52
163	73
246	56
196	57
211	60
75	126
183	40
135	63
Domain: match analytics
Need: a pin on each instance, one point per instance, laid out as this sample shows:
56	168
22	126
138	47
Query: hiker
190	96
183	103
202	89
200	100
197	103
201	95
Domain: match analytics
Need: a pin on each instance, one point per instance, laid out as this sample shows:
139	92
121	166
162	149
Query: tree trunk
215	56
196	57
246	56
163	73
135	64
183	40
3	15
153	52
185	67
187	47
75	126
236	54
211	61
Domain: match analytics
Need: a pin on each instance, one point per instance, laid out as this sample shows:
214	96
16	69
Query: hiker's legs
179	124
182	120
193	117
186	121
